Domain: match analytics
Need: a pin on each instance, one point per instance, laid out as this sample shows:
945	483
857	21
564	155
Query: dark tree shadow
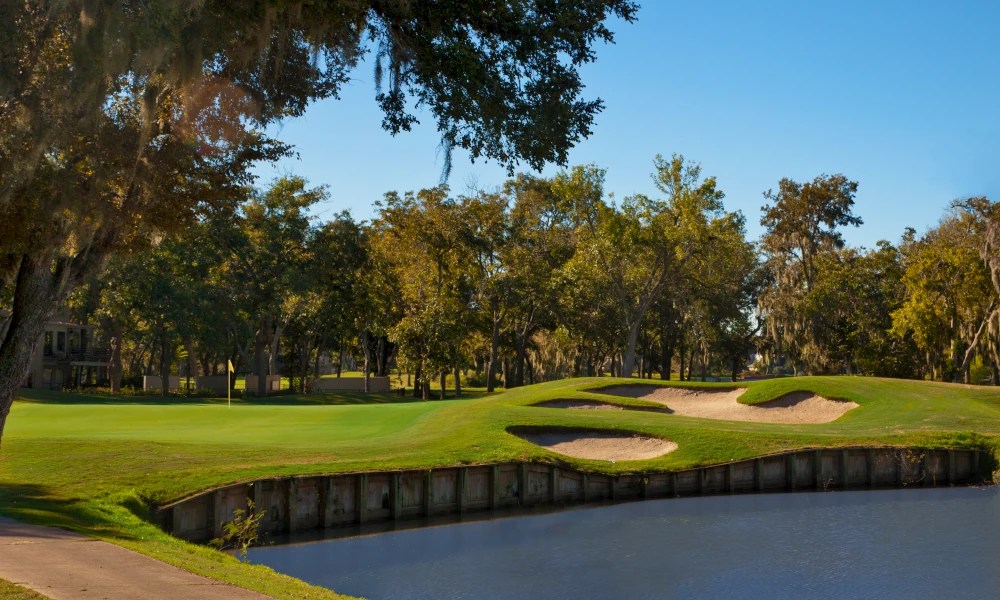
39	505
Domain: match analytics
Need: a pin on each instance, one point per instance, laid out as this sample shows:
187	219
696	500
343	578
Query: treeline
547	278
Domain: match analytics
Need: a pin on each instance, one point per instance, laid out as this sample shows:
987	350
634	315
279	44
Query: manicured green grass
96	464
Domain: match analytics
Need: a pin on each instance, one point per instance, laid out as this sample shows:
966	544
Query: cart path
68	566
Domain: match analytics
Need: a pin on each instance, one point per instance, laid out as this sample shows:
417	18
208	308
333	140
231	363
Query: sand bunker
796	407
599	445
595	405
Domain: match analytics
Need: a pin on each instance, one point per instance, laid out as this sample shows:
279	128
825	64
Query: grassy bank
95	464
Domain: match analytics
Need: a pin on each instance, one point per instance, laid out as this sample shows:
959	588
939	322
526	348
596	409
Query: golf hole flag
229	387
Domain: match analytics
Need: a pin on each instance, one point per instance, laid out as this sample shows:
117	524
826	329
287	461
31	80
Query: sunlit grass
97	463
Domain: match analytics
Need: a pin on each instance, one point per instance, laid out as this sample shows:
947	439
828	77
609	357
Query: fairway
261	426
97	465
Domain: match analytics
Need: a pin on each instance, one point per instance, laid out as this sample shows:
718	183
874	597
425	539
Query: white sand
796	407
601	446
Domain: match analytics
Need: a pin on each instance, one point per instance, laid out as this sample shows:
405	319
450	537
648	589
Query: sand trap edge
595	444
800	407
586	404
639	390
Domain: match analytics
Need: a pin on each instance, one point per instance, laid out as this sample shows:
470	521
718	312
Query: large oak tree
120	119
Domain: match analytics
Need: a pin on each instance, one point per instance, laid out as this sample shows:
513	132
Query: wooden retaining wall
295	504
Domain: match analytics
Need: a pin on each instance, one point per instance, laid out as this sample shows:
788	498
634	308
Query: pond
916	543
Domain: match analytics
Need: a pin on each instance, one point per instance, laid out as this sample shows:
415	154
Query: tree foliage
121	122
801	232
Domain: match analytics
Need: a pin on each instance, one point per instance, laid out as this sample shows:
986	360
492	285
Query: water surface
933	543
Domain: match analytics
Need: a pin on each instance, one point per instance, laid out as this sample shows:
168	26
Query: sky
902	97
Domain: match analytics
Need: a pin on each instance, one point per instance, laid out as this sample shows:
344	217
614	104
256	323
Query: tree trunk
458	381
690	363
365	347
680	362
272	351
307	347
192	362
166	357
340	359
35	295
491	369
628	358
520	355
418	388
666	358
260	358
115	363
319	350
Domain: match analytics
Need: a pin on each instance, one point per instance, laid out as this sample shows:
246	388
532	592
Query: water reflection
933	543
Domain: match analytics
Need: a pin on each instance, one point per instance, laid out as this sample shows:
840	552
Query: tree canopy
121	122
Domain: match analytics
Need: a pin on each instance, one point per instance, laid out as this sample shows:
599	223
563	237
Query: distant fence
155	382
273	383
348	384
293	504
213	383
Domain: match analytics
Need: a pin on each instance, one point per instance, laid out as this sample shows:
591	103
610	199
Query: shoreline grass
97	465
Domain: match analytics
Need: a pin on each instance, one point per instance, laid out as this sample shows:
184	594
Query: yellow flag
231	367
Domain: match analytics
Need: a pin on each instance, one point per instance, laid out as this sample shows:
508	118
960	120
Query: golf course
99	464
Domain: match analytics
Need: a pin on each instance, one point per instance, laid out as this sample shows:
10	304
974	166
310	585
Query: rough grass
11	591
96	464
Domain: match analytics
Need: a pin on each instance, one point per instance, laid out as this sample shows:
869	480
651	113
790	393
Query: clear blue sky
903	97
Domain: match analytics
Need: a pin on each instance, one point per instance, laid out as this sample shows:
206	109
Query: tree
644	243
417	235
269	263
710	260
119	119
726	279
543	219
484	229
800	228
867	287
340	278
950	301
172	293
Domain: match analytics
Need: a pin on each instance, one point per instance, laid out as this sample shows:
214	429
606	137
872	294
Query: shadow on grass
326	399
40	505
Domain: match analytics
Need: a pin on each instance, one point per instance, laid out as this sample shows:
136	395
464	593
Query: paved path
65	565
